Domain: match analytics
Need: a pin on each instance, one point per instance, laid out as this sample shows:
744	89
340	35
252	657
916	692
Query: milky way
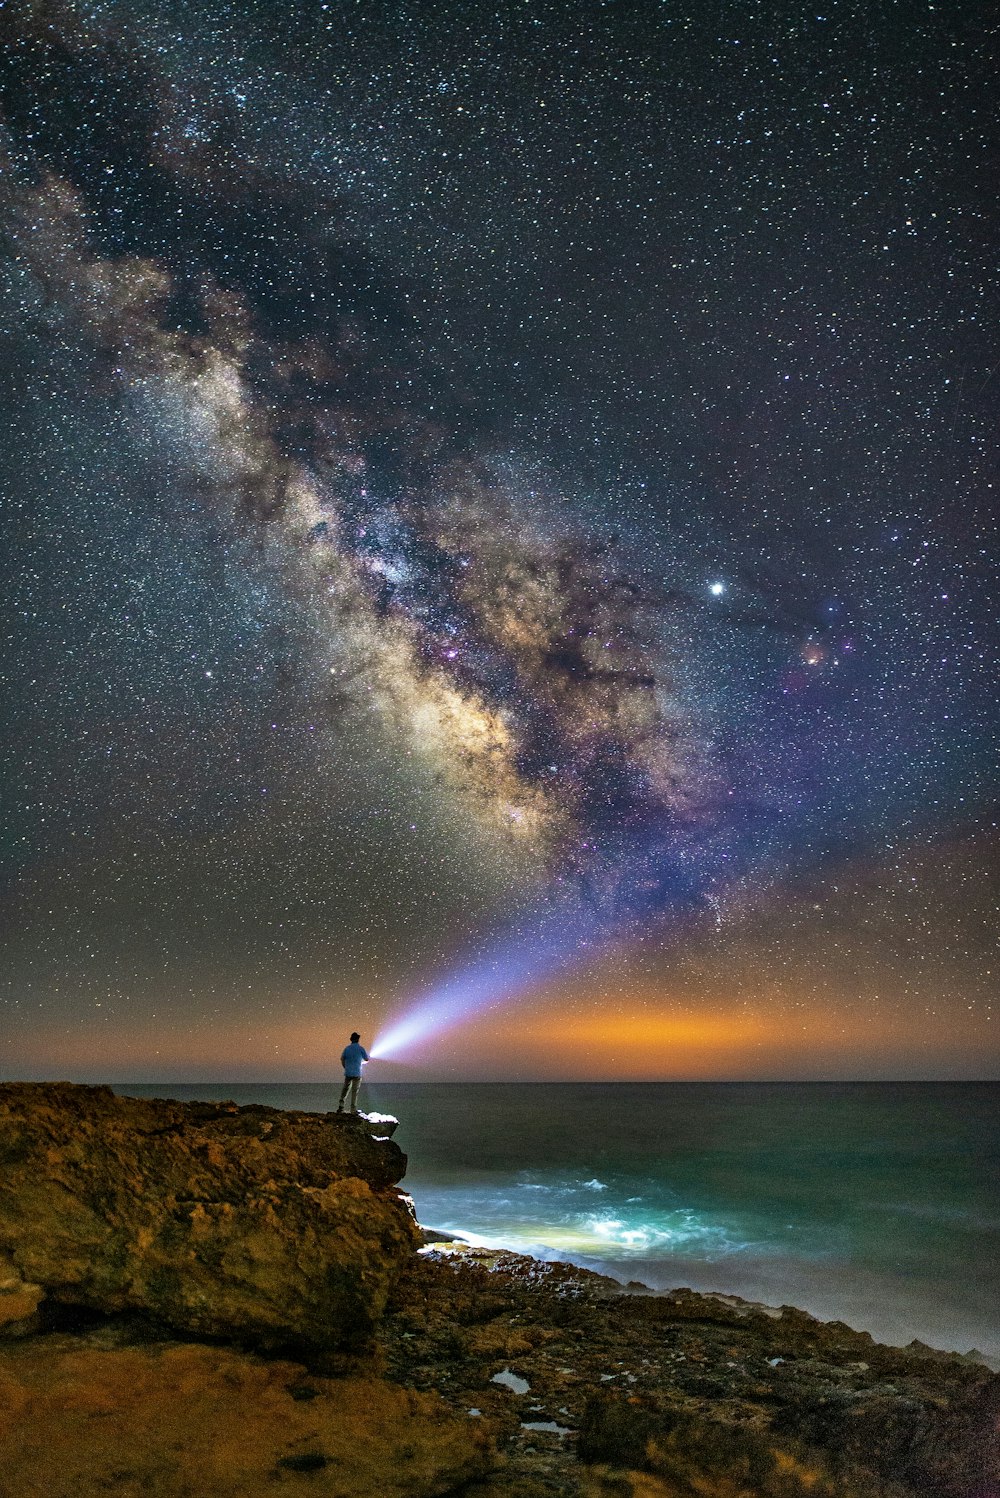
647	539
517	659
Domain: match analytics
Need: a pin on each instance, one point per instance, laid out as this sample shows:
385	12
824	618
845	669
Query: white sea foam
825	1196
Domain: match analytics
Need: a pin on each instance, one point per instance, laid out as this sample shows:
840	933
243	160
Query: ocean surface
873	1203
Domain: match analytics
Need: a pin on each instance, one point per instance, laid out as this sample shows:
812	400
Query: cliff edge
266	1227
137	1237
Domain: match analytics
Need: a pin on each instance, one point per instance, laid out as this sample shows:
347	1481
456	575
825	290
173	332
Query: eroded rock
489	1373
78	1420
19	1301
686	1393
256	1224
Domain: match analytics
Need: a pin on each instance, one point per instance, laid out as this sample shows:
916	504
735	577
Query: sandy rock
78	1421
19	1301
252	1223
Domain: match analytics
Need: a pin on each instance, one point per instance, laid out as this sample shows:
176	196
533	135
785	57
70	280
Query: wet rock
275	1228
686	1393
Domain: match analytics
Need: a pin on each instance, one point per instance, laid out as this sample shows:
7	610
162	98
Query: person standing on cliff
352	1059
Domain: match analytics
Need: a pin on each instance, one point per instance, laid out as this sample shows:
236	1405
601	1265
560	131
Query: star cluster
486	470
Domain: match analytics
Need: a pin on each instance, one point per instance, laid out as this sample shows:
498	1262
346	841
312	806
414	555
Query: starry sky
499	539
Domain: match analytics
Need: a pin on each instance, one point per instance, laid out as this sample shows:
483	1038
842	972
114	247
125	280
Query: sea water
877	1204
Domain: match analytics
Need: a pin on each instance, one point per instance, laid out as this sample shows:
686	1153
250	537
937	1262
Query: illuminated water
873	1203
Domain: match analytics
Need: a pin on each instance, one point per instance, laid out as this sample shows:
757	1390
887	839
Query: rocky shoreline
207	1300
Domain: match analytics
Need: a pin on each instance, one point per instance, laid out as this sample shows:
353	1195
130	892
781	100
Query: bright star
716	589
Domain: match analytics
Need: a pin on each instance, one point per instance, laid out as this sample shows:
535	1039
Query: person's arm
364	1054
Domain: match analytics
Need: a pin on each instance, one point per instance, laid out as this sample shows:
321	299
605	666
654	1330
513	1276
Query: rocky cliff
269	1227
138	1237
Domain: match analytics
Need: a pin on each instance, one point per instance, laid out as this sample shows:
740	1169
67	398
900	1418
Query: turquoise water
873	1203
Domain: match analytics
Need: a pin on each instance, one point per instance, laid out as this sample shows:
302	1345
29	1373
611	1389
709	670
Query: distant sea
873	1203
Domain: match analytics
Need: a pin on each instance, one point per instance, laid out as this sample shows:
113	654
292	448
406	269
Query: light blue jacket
351	1058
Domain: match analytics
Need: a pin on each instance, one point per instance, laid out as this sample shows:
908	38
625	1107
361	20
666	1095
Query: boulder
274	1228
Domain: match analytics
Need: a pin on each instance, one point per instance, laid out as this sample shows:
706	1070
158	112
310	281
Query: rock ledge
254	1224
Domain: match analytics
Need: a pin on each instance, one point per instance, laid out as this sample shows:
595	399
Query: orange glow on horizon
576	1033
656	1031
658	1038
671	1043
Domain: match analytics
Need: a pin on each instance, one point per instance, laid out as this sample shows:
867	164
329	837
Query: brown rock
79	1421
18	1301
685	1393
286	1228
686	1450
252	1223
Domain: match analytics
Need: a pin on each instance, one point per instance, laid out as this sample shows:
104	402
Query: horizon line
334	1081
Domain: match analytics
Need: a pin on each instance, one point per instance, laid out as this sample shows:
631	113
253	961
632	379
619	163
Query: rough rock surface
455	1371
81	1417
685	1393
271	1227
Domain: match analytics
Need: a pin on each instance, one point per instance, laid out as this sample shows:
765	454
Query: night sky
499	534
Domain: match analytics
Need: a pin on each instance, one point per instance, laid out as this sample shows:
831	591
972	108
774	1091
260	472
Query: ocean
873	1203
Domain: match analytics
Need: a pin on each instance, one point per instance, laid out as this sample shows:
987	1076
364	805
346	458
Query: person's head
355	1038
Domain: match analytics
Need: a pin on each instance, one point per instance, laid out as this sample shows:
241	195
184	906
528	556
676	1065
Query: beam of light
569	933
508	970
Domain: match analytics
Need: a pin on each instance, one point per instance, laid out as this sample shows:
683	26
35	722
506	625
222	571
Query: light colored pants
351	1085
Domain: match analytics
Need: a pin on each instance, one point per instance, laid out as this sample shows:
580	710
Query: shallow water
873	1203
